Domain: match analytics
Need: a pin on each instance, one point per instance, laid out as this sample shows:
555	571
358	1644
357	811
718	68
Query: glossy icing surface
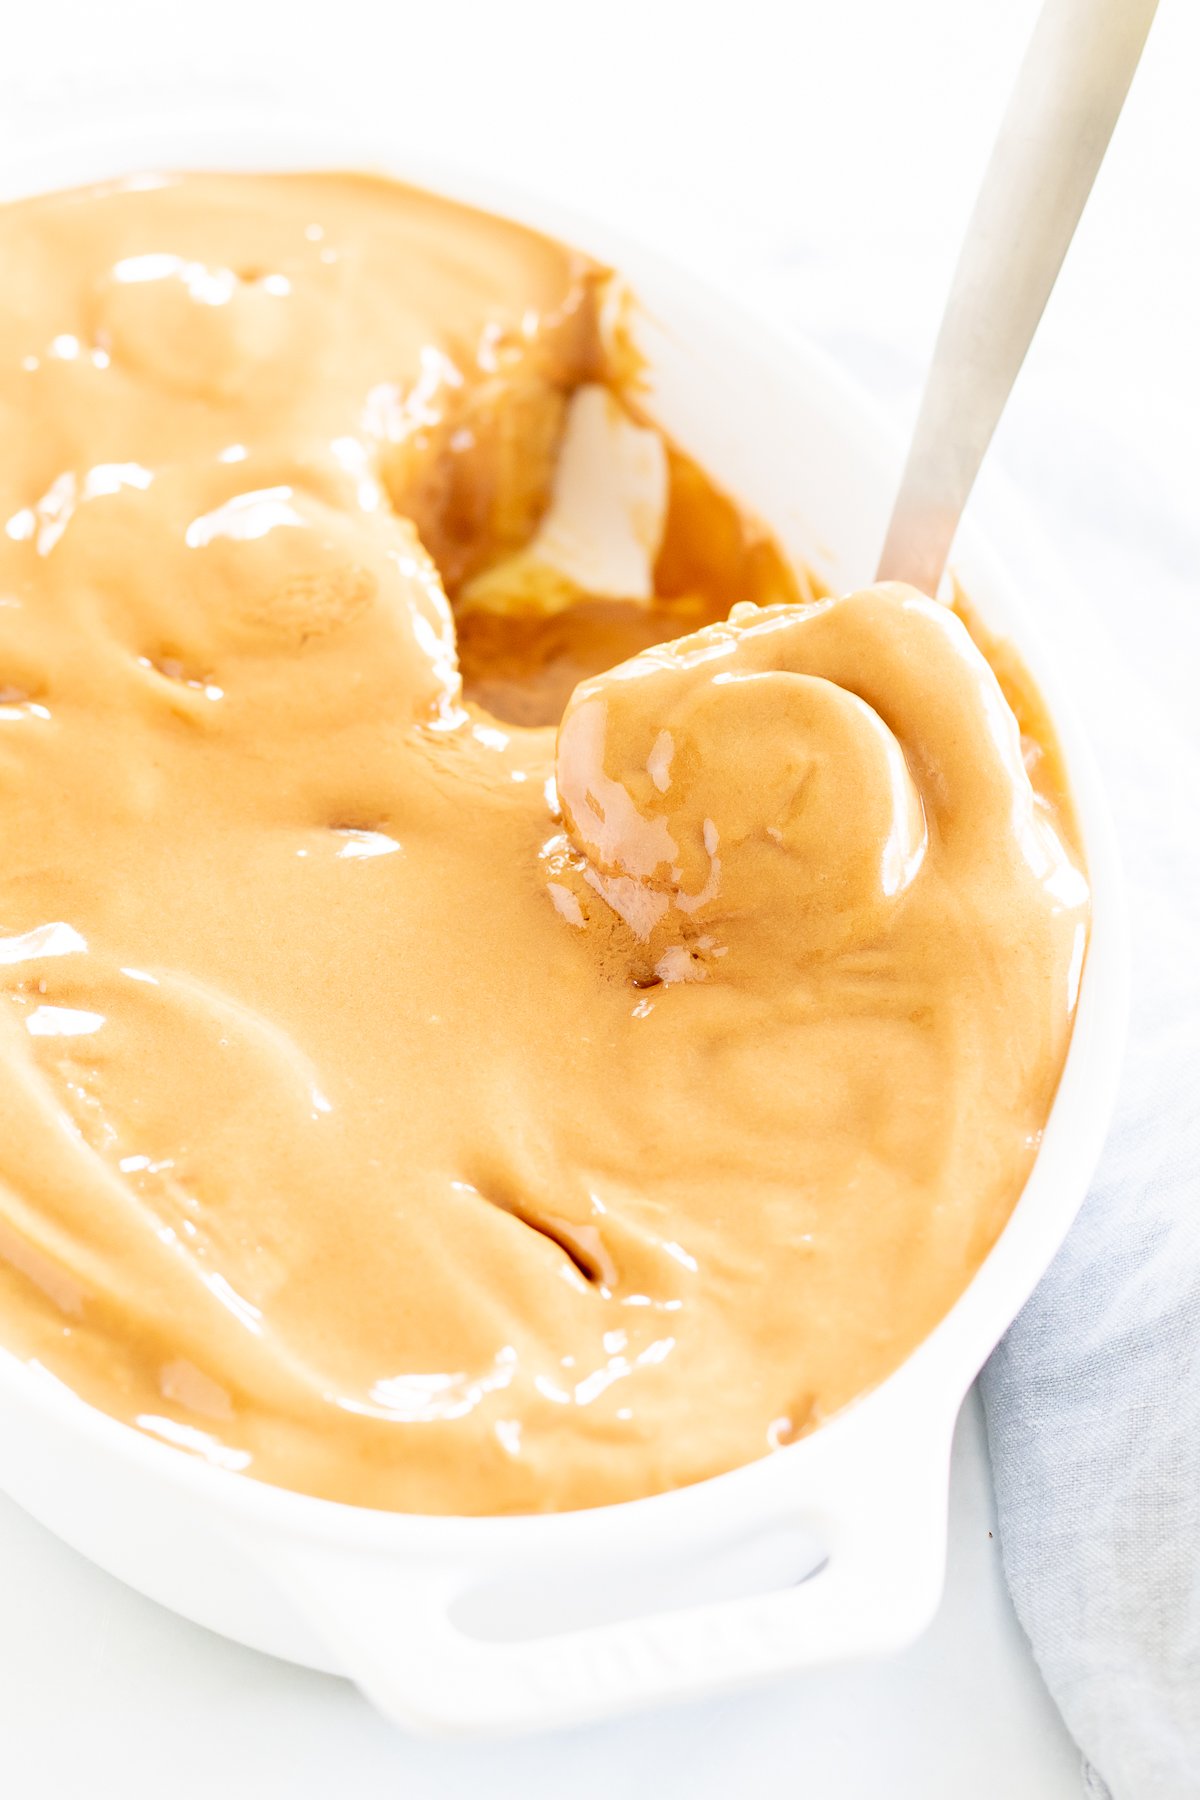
401	1101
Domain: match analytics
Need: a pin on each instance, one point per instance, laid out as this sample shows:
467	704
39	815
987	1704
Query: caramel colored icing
395	1104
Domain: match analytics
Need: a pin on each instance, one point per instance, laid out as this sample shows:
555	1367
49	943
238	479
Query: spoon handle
1067	97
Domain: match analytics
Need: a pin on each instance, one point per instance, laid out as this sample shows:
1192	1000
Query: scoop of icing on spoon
1068	95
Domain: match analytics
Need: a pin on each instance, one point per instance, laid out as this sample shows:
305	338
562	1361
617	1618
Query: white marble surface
819	160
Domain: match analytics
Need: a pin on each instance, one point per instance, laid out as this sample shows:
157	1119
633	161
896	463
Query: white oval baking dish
499	1625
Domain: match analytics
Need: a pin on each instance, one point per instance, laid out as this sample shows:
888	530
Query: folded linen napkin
1093	1397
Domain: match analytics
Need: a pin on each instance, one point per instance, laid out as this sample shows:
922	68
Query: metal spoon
1067	98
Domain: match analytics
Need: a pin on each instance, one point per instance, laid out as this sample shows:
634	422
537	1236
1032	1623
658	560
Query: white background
819	159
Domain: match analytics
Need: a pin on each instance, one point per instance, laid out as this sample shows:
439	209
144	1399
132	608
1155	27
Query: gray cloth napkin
1093	1397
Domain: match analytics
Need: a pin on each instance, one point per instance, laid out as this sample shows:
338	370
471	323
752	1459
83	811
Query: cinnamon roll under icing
405	1097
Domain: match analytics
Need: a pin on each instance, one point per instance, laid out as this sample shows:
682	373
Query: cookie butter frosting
404	1097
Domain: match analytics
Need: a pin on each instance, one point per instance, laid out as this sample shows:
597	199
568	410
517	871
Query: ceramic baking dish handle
883	1528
